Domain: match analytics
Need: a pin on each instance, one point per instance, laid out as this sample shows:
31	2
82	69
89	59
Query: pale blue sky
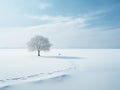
68	23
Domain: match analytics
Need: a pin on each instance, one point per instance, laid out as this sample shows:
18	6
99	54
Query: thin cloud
60	21
68	20
49	18
96	13
64	31
43	5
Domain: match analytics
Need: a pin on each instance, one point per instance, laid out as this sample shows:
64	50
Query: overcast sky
67	23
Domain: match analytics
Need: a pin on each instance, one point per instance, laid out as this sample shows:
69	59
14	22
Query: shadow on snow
62	57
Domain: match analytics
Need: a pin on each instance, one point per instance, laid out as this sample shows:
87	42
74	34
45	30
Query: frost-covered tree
39	43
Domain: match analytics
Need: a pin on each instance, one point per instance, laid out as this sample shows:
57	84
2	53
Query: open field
74	69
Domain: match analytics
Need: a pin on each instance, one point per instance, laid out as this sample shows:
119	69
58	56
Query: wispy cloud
43	5
64	31
60	21
49	18
96	13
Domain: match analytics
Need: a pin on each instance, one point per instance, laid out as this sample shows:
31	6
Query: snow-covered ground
20	66
60	69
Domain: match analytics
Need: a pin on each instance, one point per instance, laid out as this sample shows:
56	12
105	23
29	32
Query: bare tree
39	43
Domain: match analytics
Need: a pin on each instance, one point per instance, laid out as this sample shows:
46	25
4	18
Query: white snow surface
20	66
60	69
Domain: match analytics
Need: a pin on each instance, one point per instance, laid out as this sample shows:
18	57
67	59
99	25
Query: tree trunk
38	52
